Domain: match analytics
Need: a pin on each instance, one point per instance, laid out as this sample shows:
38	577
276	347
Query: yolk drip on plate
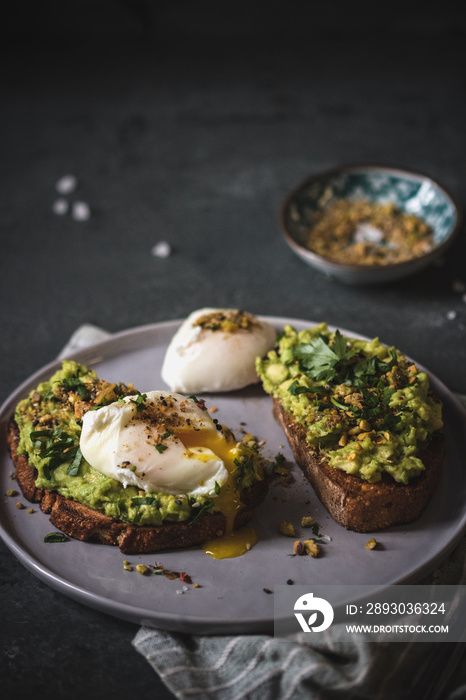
232	543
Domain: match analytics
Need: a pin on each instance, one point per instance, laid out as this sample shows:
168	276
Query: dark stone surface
195	138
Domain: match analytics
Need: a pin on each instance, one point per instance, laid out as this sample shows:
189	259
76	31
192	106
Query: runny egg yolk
232	543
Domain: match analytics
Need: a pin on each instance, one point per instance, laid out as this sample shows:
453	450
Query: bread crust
86	524
357	504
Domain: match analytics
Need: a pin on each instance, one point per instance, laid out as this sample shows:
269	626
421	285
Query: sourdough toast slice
86	524
357	504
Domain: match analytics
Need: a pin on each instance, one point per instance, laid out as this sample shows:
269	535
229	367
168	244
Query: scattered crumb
290	582
66	184
298	548
127	566
143	569
60	206
20	506
307	521
458	286
80	211
31	511
372	544
286	528
162	249
12	493
267	590
213	409
311	547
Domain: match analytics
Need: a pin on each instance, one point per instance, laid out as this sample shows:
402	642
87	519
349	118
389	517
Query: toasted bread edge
86	524
355	503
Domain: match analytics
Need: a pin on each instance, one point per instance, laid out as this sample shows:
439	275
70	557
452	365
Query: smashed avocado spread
50	424
363	405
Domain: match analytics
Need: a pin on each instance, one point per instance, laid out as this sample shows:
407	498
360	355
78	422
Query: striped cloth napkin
262	667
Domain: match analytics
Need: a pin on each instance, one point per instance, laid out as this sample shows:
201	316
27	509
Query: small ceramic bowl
411	192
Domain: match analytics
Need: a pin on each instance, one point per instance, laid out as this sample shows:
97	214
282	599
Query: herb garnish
57	447
202	511
73	468
55	537
76	385
200	402
166	434
161	448
139	402
144	501
320	360
334	362
241	468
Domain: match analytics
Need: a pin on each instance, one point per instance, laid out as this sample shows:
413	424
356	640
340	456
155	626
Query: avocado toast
44	441
362	424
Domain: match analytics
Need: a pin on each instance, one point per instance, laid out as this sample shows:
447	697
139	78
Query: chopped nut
307	521
12	493
31	510
343	439
213	409
372	544
127	566
387	437
298	548
143	569
352	457
197	585
311	547
285	528
20	506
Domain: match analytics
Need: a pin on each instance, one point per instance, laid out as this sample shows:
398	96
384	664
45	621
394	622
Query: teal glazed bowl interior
411	192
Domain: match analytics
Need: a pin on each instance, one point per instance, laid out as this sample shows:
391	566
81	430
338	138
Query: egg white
118	441
202	360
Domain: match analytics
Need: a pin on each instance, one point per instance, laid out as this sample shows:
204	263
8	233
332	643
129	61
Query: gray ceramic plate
231	597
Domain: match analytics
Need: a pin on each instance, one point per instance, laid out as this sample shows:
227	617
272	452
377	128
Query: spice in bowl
361	232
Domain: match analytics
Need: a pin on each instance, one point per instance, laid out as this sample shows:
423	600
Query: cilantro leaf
320	360
144	501
76	385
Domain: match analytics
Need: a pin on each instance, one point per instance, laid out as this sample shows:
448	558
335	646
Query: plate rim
167	620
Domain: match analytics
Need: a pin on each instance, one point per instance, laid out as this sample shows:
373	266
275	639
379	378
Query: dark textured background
189	122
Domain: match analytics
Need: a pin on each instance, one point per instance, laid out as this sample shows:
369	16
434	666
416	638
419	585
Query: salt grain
60	206
459	287
161	250
80	211
66	184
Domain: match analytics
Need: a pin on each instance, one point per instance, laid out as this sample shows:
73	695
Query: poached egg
165	442
214	350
